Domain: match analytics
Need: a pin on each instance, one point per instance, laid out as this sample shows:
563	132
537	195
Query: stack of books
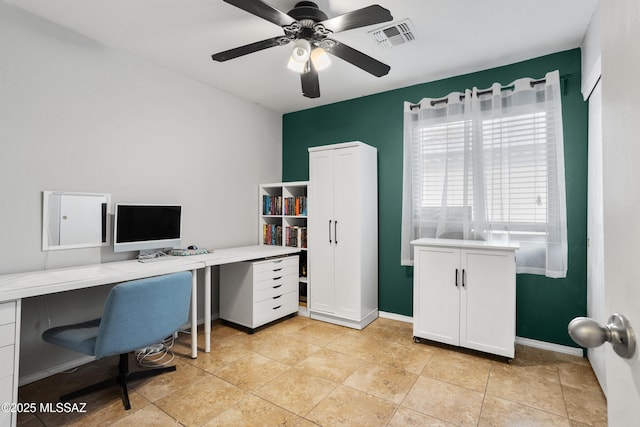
295	237
272	234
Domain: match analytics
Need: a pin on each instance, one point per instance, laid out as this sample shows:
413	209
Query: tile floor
302	372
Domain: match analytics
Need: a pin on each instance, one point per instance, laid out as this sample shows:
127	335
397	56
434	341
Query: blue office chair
137	314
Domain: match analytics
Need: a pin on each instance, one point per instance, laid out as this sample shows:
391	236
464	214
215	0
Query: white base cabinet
343	234
464	294
9	358
253	294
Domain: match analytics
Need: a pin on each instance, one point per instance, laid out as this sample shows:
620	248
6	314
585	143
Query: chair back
143	312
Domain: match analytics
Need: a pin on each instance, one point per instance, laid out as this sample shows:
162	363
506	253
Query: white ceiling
453	37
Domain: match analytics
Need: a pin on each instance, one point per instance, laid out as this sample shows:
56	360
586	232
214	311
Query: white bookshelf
283	222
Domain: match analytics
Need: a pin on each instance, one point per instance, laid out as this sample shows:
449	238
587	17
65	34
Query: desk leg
207	309
194	314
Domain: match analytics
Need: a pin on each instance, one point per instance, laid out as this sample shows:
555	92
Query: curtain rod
480	92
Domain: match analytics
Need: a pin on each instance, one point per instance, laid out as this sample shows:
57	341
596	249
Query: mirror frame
46	245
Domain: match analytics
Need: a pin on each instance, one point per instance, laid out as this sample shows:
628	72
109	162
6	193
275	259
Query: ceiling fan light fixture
320	59
301	51
296	66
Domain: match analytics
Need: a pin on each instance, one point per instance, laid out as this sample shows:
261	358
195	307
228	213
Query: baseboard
56	369
343	321
394	316
543	345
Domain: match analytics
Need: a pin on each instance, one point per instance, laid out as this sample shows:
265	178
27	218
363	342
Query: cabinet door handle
335	231
330	241
456	282
463	277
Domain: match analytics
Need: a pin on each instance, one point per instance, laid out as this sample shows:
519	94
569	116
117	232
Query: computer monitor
145	227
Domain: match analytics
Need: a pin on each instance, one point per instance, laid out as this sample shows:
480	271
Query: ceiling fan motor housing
307	10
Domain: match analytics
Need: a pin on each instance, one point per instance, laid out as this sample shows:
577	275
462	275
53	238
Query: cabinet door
436	296
320	232
487	303
347	229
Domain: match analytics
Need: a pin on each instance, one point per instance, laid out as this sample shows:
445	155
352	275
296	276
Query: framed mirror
74	220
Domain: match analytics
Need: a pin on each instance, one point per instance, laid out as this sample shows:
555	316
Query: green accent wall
544	306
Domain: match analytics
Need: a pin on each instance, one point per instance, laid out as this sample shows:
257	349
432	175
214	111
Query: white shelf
275	220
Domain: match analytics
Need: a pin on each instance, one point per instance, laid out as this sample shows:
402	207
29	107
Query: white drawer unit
253	294
9	343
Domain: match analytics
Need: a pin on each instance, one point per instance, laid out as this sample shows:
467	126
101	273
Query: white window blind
489	165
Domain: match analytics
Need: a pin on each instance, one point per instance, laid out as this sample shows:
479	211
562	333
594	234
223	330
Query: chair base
124	376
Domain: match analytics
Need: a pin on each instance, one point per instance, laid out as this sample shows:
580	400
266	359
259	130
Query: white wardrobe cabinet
343	234
464	294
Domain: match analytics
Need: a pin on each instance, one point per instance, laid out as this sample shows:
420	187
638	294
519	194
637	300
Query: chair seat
80	337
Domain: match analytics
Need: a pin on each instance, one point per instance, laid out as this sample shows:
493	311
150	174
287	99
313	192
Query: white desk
15	287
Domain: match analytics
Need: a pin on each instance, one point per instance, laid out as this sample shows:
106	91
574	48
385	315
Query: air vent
395	34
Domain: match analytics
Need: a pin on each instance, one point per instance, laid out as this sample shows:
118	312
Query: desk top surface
42	282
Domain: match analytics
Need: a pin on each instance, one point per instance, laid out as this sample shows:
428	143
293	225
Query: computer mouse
192	247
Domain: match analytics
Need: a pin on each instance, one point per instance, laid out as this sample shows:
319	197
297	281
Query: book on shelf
271	205
295	206
295	236
272	234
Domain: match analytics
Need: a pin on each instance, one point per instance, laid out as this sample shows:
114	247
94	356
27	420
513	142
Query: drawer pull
277	278
277	297
277	286
277	261
275	308
277	269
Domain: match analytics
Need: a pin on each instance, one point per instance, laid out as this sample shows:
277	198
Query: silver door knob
589	333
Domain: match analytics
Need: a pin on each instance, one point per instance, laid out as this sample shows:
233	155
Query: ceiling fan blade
358	58
250	48
310	81
264	11
369	15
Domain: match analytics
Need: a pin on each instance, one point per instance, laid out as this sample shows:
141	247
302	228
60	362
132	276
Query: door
436	299
346	232
80	219
321	230
487	301
621	196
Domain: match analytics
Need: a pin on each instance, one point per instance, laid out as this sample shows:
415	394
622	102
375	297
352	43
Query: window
489	165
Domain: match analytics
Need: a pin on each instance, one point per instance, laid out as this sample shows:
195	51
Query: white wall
76	115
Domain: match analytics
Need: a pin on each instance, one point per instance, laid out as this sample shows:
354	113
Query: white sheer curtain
489	165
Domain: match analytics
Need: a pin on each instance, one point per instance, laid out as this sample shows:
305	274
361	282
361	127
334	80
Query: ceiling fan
310	29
